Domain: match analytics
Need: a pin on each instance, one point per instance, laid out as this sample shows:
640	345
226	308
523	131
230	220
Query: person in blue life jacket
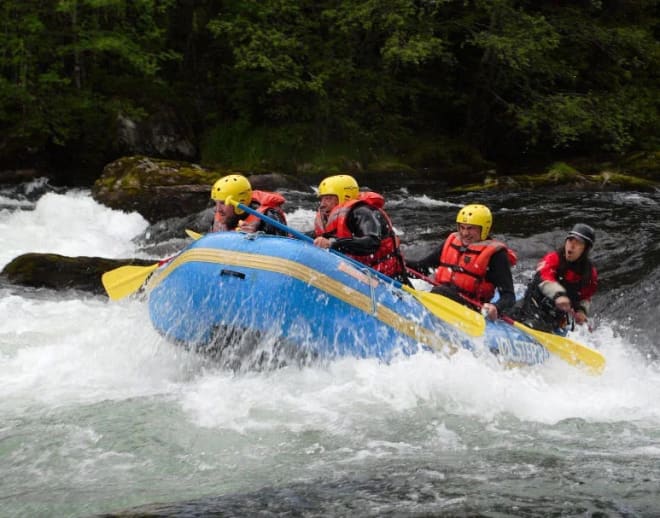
228	217
355	224
560	292
471	265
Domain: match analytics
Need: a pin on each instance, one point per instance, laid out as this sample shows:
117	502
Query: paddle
456	314
193	234
125	280
567	349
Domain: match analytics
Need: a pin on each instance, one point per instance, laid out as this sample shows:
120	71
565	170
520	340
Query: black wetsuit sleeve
366	230
424	264
269	229
499	273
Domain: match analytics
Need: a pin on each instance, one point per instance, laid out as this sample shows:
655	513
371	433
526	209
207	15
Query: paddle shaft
475	303
304	237
421	276
569	350
443	308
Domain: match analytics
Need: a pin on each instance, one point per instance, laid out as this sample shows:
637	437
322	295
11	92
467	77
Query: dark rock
160	189
156	188
645	164
562	176
275	181
13	176
161	134
60	272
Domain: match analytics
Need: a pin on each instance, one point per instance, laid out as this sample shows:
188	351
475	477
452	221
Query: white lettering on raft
521	351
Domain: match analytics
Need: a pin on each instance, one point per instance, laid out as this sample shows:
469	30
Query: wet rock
562	176
60	272
645	164
13	176
163	133
160	189
156	188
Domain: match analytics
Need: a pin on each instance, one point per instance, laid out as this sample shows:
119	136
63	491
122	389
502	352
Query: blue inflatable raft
254	299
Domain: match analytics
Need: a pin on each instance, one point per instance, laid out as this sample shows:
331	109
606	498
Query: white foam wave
420	201
72	224
59	352
350	393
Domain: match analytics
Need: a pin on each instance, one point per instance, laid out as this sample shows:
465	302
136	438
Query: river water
102	417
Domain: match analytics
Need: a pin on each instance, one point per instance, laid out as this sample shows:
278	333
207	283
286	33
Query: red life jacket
387	258
465	267
578	289
371	198
265	200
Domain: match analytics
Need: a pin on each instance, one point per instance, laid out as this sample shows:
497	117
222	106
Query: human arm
269	229
366	231
499	274
586	292
549	285
424	262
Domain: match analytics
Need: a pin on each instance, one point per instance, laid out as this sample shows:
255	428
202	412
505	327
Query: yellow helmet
476	215
342	185
234	185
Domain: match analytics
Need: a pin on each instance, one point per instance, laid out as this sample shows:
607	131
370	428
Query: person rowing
228	217
471	265
560	292
355	223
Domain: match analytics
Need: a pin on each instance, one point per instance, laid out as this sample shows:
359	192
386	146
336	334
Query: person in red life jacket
565	280
354	223
228	217
472	265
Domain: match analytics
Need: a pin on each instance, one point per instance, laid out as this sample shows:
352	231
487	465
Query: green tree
552	76
343	68
70	67
512	78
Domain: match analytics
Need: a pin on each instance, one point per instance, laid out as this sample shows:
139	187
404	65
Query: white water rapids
100	414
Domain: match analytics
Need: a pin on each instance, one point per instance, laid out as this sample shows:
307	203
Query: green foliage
243	147
55	57
344	68
286	83
562	171
514	40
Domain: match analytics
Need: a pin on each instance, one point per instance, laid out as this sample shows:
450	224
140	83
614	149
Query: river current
100	416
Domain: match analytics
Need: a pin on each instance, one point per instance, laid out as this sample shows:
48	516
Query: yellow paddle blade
567	349
458	315
123	281
193	234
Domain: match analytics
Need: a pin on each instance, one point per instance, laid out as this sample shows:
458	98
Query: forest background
303	86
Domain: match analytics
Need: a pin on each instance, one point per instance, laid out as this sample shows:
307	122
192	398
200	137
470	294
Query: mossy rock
561	176
161	189
389	166
156	188
644	164
132	174
619	180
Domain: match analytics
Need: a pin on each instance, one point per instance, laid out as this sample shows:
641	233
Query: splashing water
101	414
